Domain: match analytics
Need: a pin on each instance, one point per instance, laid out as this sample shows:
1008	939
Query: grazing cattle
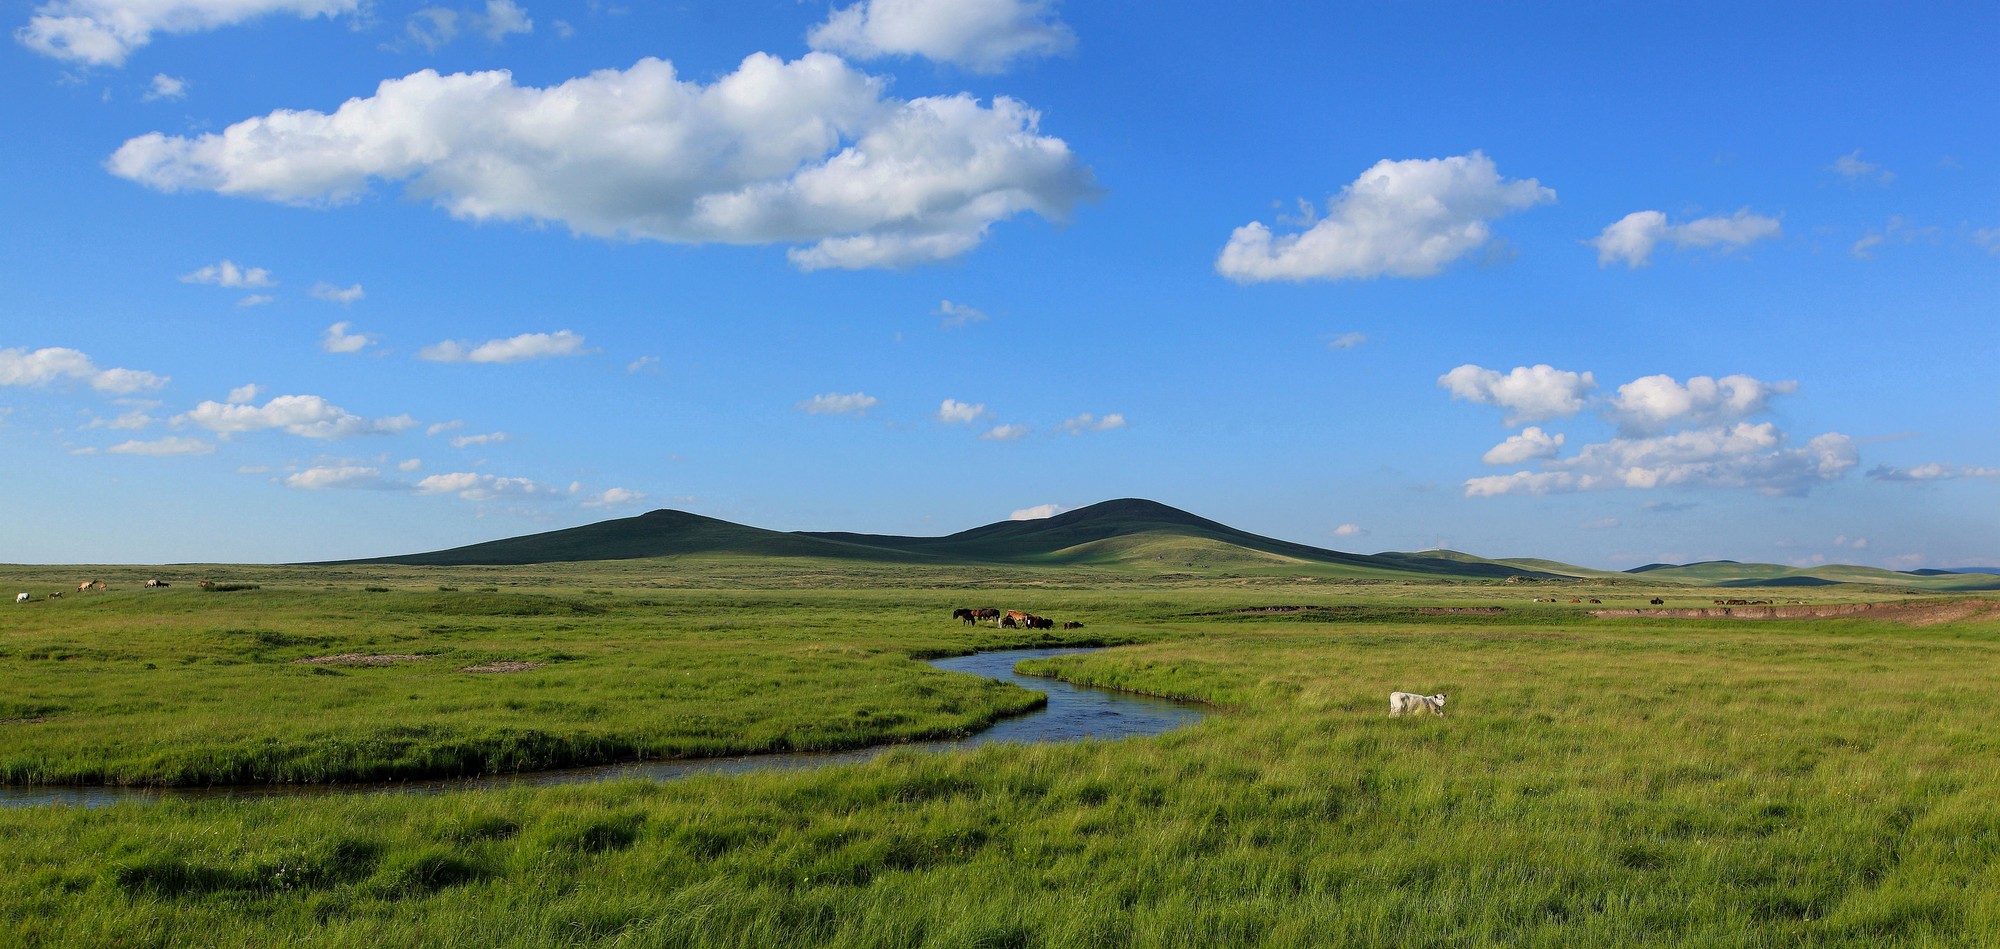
1041	622
1575	600
56	595
150	584
1019	618
1007	622
1403	703
21	598
1072	624
1595	600
1656	601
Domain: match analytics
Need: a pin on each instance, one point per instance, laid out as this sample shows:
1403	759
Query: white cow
20	598
1403	703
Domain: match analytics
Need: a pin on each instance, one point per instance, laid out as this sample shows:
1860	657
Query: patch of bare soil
357	659
504	667
1906	612
1461	610
31	720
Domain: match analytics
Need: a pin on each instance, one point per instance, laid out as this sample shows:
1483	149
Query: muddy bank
1907	612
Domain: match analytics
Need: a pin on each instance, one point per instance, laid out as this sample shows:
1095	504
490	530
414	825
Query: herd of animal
98	586
1011	619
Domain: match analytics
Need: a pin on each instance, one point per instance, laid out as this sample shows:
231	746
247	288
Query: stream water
1072	714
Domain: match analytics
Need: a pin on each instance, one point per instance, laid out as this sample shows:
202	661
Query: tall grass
1596	784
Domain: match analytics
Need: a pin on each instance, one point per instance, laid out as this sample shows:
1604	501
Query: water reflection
1073	713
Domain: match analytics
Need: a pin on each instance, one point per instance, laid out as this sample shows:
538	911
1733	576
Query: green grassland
1598	782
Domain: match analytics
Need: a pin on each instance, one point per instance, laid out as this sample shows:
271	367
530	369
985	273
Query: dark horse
970	616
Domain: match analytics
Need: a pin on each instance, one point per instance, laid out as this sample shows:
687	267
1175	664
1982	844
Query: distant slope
1731	573
1146	533
1125	534
655	534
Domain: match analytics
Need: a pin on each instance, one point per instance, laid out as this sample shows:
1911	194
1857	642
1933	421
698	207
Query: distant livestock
150	584
56	595
1404	703
1072	624
20	598
1656	601
89	585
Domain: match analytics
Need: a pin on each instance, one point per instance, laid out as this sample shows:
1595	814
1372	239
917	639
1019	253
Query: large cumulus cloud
809	153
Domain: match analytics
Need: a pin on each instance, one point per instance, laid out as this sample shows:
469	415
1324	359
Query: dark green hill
1138	532
655	534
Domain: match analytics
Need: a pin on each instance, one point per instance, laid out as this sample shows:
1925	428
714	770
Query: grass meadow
1597	782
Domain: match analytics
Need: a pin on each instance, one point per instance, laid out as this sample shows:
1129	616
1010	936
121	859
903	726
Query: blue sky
1611	284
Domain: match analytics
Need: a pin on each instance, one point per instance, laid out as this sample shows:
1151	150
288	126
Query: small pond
1073	713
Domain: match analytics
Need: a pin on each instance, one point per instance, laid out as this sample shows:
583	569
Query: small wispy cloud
1036	513
1087	422
957	315
474	441
954	412
337	339
1346	340
333	294
1853	168
228	273
522	348
1009	432
165	87
836	403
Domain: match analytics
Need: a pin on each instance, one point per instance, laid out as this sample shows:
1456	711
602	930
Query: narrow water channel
1073	713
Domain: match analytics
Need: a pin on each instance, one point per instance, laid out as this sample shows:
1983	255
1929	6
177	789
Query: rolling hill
1130	534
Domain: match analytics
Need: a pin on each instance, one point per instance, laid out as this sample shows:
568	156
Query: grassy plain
1597	783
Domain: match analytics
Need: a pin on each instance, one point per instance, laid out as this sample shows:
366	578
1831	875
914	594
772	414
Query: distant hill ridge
1127	533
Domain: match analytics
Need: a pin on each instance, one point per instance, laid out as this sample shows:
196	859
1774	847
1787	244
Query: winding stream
1072	714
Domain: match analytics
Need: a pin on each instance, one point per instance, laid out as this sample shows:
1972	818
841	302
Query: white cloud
1743	456
957	315
165	87
835	403
1602	523
163	447
257	299
245	393
104	32
1350	530
1346	340
520	348
437	427
1006	433
124	421
1528	393
980	35
808	153
502	18
1851	167
1988	238
1037	512
1087	422
1650	404
228	274
1633	237
1899	230
1851	543
1933	471
481	487
1531	444
338	476
337	339
644	364
613	497
432	27
473	441
410	464
41	367
333	294
954	412
1403	218
307	416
